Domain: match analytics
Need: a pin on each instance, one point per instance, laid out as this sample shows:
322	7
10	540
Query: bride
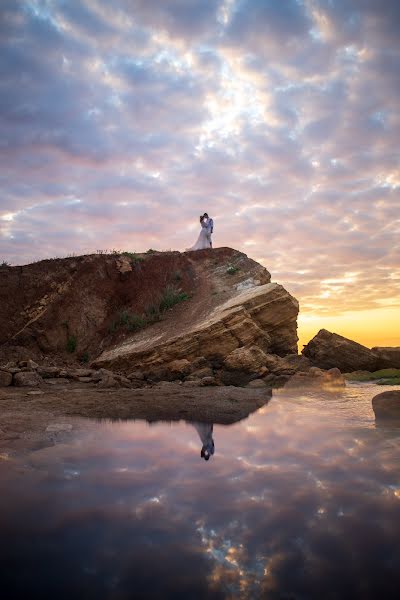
203	241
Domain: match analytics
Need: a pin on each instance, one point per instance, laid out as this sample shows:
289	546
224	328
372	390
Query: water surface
300	500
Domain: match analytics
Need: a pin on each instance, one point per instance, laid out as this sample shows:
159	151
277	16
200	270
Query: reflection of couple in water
205	431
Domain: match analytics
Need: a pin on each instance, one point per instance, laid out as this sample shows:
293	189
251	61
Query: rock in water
328	350
388	358
387	405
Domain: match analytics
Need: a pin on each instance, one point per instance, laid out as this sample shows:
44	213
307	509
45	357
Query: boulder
27	378
124	381
236	377
388	357
200	362
387	405
200	373
249	360
77	373
287	365
179	368
101	374
46	372
330	380
327	350
108	381
5	378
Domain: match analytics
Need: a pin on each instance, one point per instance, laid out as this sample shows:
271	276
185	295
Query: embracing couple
204	239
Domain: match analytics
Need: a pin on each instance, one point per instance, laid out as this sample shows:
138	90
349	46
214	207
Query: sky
121	121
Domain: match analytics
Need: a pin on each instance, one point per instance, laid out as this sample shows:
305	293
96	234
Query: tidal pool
300	500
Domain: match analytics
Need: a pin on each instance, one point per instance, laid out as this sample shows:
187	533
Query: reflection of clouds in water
238	574
303	500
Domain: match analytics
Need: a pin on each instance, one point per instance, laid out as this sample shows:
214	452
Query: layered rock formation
259	320
211	316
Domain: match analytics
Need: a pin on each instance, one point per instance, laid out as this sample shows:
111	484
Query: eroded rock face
387	405
328	350
264	317
388	357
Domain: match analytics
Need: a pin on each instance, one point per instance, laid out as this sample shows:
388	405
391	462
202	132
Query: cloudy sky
122	120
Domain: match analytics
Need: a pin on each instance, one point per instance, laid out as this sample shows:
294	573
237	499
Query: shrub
84	358
131	321
171	295
133	256
152	312
71	343
4	263
231	270
177	276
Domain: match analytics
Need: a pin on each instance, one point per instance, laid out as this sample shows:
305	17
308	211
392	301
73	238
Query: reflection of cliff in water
221	406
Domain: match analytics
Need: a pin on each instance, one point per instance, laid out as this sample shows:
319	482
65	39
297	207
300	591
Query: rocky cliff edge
130	311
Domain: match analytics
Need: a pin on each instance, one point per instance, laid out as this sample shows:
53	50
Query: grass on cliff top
382	377
170	296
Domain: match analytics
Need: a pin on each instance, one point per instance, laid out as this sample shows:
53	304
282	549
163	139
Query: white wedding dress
203	241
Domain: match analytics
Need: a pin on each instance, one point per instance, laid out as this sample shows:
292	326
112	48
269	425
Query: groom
210	227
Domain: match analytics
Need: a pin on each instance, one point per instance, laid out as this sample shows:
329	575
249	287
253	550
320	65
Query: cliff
130	311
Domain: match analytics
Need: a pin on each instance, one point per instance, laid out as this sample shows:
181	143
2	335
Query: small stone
32	366
51	380
58	427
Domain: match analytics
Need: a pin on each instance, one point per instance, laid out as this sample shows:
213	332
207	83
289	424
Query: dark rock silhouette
328	350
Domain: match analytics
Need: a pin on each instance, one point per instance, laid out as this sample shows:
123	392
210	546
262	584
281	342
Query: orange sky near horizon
374	327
